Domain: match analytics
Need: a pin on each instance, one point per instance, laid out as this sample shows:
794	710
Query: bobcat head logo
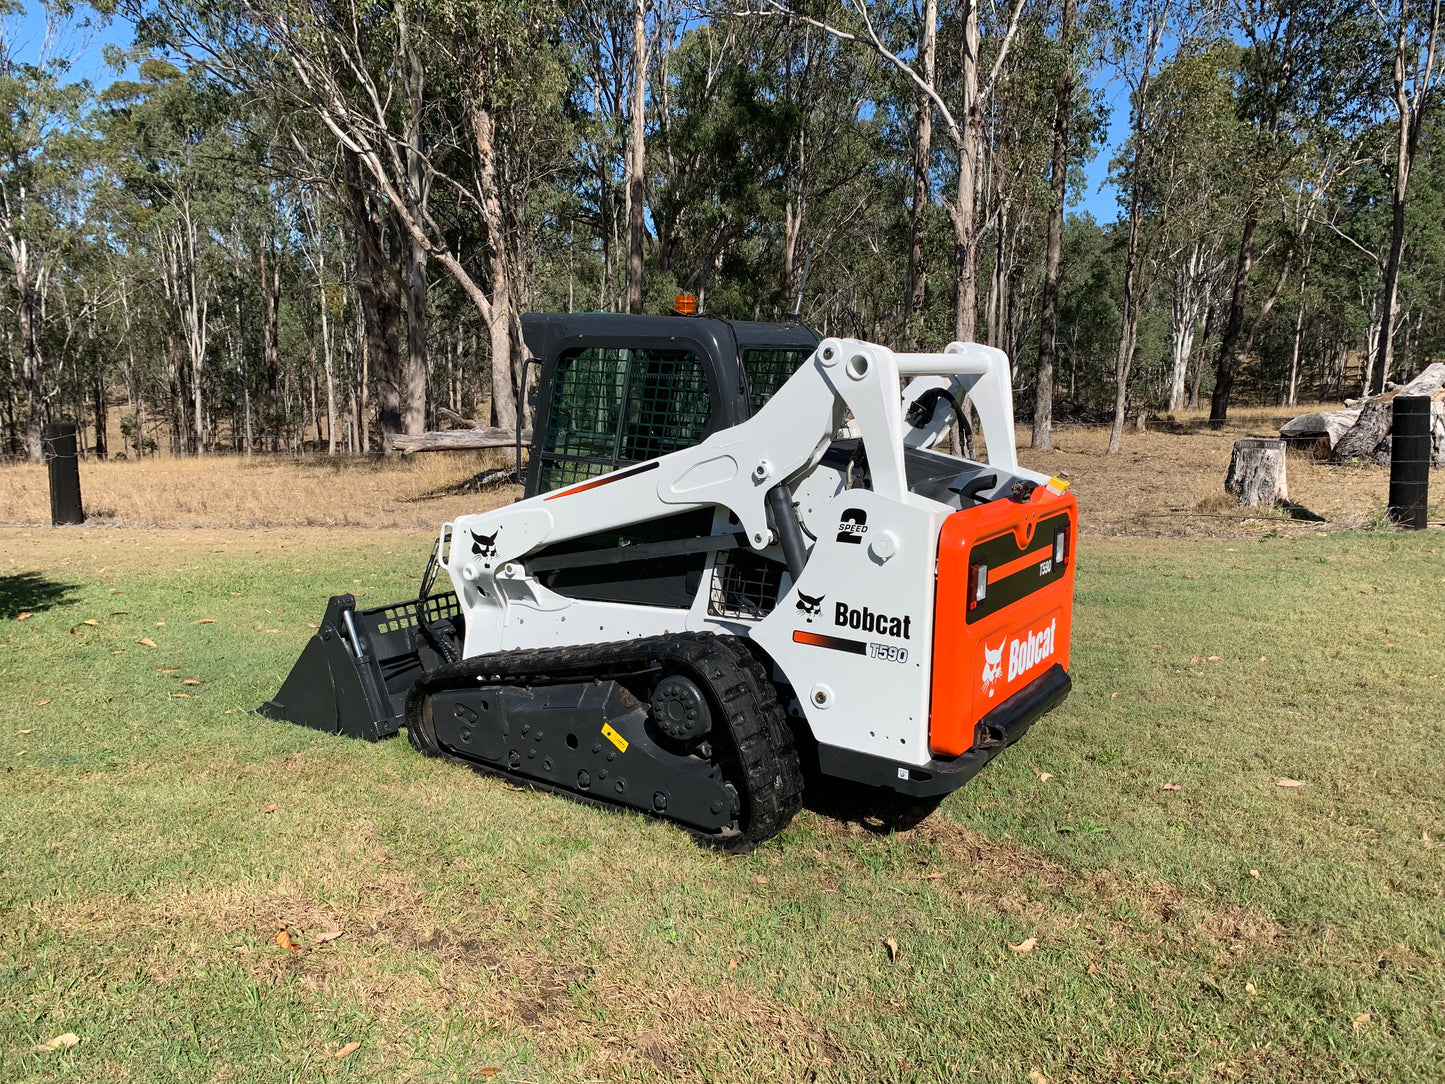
812	605
993	665
485	545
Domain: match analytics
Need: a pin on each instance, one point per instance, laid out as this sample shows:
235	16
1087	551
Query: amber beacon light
685	304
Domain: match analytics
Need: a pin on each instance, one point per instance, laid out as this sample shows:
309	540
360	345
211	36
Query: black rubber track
762	743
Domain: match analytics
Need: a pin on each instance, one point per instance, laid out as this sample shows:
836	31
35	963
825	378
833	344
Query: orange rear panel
982	657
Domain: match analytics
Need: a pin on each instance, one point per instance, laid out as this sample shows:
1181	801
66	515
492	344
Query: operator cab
617	389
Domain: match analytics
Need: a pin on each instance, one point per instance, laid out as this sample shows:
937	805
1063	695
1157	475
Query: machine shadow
874	809
30	592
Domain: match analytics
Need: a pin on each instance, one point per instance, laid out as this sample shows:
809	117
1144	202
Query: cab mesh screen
610	407
768	369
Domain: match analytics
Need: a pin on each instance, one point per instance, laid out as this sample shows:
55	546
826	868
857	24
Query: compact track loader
742	559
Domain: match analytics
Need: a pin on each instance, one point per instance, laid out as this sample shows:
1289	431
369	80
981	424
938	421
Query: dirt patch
674	1025
1239	930
1015	879
991	857
1157	901
529	987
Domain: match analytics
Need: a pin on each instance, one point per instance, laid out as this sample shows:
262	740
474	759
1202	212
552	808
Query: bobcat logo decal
993	666
485	545
812	605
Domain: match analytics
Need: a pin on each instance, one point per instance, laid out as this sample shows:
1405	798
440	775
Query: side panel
854	635
1022	626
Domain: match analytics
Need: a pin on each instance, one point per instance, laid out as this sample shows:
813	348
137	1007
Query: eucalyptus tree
1413	32
44	154
1196	90
166	143
1152	163
1067	72
971	76
599	37
922	194
762	161
1304	69
412	97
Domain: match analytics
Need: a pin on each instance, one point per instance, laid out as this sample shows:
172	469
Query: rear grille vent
745	585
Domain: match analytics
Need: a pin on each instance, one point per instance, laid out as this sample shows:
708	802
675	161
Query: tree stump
1257	473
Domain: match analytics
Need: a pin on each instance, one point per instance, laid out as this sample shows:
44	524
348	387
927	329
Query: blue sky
89	61
1097	198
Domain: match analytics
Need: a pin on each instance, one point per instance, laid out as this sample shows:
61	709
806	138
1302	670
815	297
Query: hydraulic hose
785	526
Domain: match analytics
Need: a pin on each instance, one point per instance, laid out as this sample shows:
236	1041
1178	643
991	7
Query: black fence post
60	456
1410	460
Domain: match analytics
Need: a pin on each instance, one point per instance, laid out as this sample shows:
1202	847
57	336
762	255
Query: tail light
1061	546
977	584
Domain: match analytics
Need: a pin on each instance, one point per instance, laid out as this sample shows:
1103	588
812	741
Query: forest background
313	224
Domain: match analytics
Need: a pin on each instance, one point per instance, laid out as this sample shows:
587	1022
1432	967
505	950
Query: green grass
1232	929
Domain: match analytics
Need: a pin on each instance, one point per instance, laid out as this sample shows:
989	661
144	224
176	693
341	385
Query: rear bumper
994	733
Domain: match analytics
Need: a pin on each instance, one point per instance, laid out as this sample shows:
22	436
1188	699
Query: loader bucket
353	675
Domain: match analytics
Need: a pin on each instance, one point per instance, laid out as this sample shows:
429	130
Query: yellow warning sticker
614	737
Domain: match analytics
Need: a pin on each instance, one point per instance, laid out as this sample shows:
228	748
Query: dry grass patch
419	491
609	1016
1170	479
988	857
1166	481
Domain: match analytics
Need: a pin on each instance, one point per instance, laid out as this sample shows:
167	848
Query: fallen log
459	440
1325	427
1369	438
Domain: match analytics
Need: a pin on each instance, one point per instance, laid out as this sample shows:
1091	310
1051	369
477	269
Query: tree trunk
1299	326
378	294
32	362
1404	159
271	340
102	415
498	314
1203	353
1190	296
197	312
330	374
1054	244
414	419
239	347
1129	329
459	440
32	366
1229	362
1123	363
965	229
177	419
1257	473
922	159
635	158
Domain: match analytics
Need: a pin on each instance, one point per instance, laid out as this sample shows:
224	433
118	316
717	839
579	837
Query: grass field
157	837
